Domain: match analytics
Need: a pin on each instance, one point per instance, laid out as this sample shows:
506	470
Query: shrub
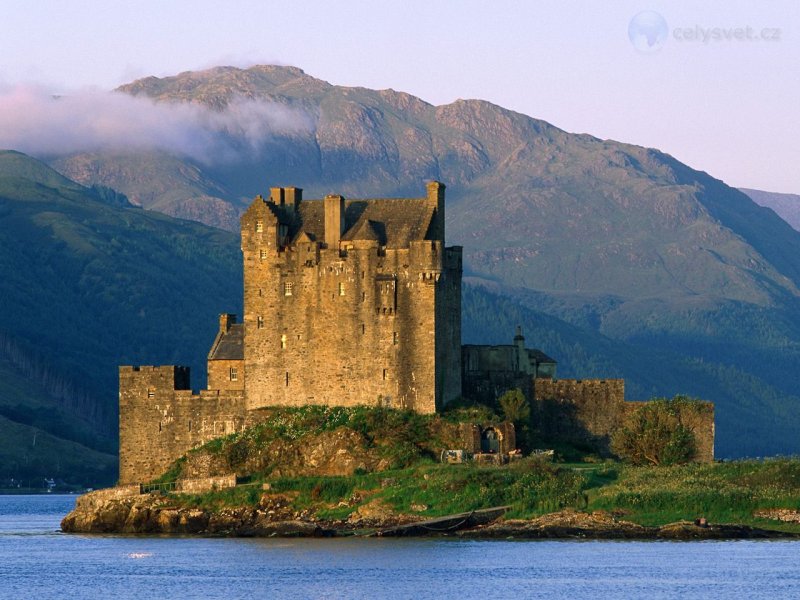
515	406
654	434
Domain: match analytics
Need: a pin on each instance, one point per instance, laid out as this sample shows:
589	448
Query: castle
346	302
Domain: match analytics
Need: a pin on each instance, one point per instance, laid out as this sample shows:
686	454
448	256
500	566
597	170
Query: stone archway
490	440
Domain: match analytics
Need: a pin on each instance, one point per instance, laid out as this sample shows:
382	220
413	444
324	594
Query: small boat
446	524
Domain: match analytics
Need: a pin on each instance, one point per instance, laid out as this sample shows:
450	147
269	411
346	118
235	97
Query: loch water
38	561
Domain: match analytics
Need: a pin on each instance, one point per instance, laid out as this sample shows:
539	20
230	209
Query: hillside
90	285
787	206
622	240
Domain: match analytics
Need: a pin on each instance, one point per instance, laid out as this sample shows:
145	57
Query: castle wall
226	375
589	411
699	418
351	325
161	419
585	411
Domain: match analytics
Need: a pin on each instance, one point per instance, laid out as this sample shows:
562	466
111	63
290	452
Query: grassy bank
409	480
721	492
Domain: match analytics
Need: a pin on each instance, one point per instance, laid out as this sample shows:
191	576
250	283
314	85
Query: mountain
787	206
88	284
612	238
657	271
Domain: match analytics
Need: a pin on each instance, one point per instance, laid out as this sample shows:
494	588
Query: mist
39	122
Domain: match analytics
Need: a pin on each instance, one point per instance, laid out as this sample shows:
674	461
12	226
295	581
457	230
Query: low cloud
36	121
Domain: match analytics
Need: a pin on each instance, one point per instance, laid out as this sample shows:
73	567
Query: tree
654	434
515	406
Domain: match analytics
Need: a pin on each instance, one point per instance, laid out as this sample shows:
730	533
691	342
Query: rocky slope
787	206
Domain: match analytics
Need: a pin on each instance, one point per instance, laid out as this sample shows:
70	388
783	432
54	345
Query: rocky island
334	471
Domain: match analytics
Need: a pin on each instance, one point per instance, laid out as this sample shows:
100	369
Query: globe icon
648	31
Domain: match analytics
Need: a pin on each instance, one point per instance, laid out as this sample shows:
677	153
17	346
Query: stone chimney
276	195
436	197
334	220
292	196
225	322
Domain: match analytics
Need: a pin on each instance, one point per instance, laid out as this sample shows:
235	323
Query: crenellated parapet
161	418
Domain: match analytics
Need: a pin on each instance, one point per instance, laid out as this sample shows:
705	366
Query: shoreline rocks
154	514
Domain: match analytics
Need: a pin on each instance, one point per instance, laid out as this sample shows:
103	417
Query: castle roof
229	345
393	222
535	353
365	229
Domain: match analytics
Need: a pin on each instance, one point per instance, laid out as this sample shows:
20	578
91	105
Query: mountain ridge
624	241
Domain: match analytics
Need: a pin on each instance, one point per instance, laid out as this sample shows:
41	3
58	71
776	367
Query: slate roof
540	356
229	345
534	353
392	222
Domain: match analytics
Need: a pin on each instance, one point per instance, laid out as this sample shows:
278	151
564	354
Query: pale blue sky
728	106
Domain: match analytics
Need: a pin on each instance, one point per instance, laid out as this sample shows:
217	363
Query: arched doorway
490	441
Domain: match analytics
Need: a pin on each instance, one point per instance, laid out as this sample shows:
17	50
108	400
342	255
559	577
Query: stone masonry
346	302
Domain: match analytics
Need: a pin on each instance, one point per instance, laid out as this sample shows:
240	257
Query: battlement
171	377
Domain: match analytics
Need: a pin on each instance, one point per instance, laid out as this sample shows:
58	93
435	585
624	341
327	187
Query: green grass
418	484
651	496
721	492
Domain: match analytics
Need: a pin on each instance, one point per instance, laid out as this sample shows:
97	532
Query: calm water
37	561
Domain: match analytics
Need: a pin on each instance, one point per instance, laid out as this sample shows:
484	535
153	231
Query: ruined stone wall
588	412
161	419
350	326
574	410
698	417
472	433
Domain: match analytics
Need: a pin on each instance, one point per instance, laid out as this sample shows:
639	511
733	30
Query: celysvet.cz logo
648	32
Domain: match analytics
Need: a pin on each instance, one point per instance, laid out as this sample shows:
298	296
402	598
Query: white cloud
36	121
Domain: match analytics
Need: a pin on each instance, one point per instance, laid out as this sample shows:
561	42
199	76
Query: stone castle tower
354	302
346	302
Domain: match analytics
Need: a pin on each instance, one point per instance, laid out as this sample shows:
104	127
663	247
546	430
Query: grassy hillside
89	286
411	481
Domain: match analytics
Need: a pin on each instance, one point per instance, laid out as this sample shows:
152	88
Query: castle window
363	296
260	322
394	337
283	341
259	226
341	289
159	426
287	288
287	378
363	329
260	292
385	371
151	393
234	374
263	255
190	424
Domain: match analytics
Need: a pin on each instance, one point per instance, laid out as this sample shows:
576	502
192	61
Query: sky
716	84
